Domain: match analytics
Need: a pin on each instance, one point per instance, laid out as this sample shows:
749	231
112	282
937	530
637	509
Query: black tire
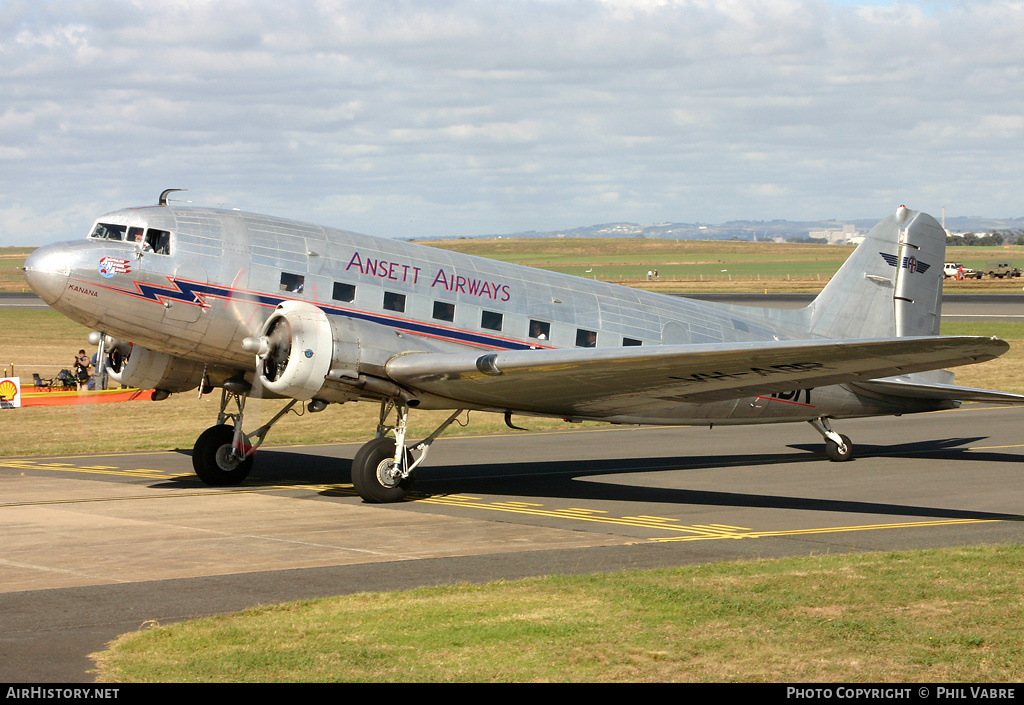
367	477
212	461
833	452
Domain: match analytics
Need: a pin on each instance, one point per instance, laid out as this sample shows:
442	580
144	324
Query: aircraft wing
610	382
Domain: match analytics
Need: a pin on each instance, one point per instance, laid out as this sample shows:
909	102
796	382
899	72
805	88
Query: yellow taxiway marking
741	533
88	469
694	532
677	531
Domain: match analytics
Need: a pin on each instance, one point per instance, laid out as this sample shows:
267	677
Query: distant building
835	236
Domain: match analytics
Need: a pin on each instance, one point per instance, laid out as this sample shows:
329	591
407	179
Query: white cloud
458	117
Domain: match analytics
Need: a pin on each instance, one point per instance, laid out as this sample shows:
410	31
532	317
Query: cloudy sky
466	117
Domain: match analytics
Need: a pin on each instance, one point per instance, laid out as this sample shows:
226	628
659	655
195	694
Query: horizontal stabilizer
915	390
629	380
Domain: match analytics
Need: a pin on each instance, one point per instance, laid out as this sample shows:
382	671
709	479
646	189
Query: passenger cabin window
631	341
292	282
586	338
444	311
541	330
158	241
394	302
490	320
344	292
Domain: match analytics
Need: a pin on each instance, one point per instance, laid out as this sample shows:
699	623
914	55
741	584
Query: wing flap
613	381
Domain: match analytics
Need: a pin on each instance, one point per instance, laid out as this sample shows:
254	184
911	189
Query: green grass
951	615
11	261
978	257
1005	373
630	260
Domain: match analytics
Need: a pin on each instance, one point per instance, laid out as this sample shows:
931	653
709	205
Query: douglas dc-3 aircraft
188	297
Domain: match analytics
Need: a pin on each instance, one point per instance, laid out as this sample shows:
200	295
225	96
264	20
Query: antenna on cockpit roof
163	196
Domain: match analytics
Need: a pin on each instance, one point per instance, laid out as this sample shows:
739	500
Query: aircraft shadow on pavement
561	479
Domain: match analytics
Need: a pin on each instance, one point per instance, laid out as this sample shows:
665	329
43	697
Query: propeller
279	344
273	348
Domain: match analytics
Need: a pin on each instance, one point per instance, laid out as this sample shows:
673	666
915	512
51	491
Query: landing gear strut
383	470
837	446
223	454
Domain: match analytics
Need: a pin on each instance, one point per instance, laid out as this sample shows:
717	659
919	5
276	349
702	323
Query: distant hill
753	229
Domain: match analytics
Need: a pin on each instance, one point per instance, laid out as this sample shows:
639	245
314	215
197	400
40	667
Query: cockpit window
152	240
106	231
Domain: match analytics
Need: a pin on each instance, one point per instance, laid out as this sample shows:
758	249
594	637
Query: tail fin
890	286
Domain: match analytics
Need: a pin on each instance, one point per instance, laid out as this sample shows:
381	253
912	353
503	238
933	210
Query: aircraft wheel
212	459
372	473
836	454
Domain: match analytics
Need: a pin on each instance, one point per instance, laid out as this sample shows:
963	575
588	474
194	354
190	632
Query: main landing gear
837	446
383	470
223	454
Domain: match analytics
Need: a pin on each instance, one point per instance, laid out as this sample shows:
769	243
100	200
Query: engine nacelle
301	348
140	367
295	346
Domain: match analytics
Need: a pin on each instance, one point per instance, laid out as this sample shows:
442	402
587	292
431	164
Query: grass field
11	261
710	266
946	616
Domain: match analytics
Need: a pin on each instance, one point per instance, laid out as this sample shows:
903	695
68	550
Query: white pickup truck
954	269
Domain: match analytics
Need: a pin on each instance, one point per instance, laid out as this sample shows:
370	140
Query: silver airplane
186	297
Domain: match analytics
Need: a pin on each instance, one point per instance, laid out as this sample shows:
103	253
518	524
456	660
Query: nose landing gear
223	454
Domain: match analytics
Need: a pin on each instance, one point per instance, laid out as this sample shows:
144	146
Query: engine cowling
295	346
300	348
135	366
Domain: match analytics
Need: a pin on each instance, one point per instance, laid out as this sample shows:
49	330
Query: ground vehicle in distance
1002	269
955	269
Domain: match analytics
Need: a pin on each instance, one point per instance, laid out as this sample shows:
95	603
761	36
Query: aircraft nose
47	270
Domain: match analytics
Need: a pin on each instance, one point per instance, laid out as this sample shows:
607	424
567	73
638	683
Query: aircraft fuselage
194	283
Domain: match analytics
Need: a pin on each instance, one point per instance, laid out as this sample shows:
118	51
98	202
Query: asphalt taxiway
98	545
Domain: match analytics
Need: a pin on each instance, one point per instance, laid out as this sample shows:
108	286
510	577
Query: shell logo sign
10	393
